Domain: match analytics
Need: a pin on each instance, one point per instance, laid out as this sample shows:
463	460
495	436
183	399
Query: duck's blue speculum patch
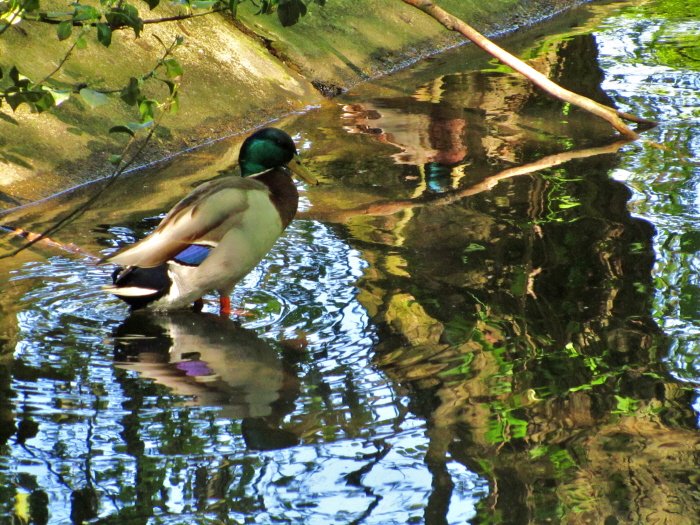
193	255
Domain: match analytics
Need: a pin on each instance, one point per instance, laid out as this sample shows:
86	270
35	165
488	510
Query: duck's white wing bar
129	291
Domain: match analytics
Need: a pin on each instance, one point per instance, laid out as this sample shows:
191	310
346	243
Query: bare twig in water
35	238
453	23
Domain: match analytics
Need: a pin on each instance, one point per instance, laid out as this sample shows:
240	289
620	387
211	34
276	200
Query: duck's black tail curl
139	287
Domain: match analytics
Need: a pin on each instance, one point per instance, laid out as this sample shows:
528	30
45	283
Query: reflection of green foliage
625	405
472	247
678	52
459	366
560	458
519	285
689	242
504	427
460	330
559	198
675	43
690	301
671	9
619	492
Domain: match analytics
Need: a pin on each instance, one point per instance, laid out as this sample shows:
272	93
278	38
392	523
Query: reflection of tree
537	348
518	319
511	309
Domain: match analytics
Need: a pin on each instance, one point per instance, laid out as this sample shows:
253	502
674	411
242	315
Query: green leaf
81	43
93	98
127	16
31	5
135	126
121	129
203	4
289	12
45	102
104	34
15	100
19	80
172	86
11	12
20	96
264	7
84	12
172	68
116	160
133	15
175	104
64	29
147	108
59	96
130	94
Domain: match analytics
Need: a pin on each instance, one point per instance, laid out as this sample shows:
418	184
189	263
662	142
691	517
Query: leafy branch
42	97
101	21
121	15
151	111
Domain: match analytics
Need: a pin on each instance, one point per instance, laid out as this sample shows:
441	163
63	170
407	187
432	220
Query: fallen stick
47	241
452	23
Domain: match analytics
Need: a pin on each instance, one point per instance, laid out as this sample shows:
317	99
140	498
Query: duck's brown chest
283	193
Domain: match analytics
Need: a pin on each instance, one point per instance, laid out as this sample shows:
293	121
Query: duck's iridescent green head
271	148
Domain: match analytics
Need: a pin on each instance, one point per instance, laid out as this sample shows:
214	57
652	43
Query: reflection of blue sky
398	482
664	185
307	281
636	78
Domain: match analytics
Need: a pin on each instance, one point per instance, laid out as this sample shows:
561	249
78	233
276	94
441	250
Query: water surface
488	313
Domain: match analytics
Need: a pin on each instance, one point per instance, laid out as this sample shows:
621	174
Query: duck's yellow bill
297	167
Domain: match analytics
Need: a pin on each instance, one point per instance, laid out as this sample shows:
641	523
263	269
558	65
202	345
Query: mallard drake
216	235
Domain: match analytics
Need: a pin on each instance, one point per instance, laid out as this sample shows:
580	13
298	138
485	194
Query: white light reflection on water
664	182
86	409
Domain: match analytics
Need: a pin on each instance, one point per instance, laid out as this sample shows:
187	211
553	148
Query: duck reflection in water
214	362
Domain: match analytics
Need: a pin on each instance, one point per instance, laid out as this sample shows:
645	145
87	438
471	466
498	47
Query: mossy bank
238	74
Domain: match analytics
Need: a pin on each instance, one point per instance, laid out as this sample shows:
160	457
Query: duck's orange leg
224	306
225	309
